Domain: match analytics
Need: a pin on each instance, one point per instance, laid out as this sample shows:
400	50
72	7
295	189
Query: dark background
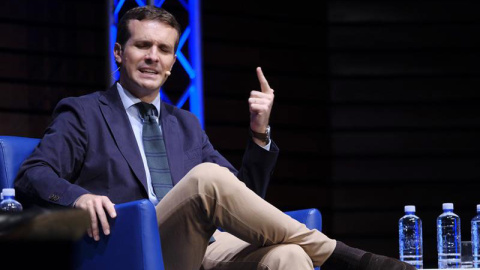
376	102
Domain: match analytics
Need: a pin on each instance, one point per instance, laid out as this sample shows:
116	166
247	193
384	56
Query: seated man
124	144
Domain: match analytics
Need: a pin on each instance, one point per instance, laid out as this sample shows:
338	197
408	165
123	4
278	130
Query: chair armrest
312	218
133	243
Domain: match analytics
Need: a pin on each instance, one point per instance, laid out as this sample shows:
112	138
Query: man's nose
152	55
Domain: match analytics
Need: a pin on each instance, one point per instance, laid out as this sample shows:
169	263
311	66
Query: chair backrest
13	151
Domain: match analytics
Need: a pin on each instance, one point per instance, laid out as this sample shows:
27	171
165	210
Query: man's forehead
144	28
134	23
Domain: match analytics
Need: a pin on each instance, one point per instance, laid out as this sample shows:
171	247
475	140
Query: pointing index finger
263	81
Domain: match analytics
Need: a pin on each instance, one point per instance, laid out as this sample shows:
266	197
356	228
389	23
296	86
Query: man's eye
142	46
165	49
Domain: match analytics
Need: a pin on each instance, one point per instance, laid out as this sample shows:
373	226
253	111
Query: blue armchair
134	242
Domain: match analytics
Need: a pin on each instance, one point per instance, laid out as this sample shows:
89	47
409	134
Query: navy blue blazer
90	147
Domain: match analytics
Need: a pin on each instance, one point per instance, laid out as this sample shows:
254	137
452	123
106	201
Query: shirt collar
128	100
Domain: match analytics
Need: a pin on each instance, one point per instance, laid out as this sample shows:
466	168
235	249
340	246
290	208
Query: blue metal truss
191	37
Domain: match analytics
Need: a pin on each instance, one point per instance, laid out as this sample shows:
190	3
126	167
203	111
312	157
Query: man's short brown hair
147	12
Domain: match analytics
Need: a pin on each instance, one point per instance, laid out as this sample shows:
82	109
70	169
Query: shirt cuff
267	147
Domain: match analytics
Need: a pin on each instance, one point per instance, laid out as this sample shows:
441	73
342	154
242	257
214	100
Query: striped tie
155	152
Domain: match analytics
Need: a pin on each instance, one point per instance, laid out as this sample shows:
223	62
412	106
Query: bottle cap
447	206
409	208
8	192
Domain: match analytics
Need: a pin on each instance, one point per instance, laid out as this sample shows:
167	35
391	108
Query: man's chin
150	86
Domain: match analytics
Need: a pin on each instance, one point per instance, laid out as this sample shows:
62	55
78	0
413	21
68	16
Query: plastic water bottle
476	238
9	204
449	239
410	238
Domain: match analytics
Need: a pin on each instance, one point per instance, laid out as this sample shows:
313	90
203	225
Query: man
93	156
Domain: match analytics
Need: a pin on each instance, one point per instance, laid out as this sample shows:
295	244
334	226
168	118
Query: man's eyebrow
149	42
142	40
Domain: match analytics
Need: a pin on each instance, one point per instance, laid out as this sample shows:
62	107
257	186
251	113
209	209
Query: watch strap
264	137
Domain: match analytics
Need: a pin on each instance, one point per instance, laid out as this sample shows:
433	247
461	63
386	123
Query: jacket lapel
171	135
121	130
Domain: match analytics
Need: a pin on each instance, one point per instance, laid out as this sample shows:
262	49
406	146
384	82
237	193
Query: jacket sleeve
42	178
258	165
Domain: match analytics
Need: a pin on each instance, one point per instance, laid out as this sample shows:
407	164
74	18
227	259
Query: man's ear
117	52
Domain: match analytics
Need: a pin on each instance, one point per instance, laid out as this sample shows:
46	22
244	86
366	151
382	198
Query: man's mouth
148	71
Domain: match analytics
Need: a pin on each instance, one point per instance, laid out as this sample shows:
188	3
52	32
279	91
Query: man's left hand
260	103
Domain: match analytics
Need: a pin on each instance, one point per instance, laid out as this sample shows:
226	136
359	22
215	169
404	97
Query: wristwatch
264	137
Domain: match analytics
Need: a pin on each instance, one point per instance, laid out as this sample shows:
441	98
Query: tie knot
146	109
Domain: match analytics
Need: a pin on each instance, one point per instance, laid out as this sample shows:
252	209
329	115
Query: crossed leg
210	196
230	253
